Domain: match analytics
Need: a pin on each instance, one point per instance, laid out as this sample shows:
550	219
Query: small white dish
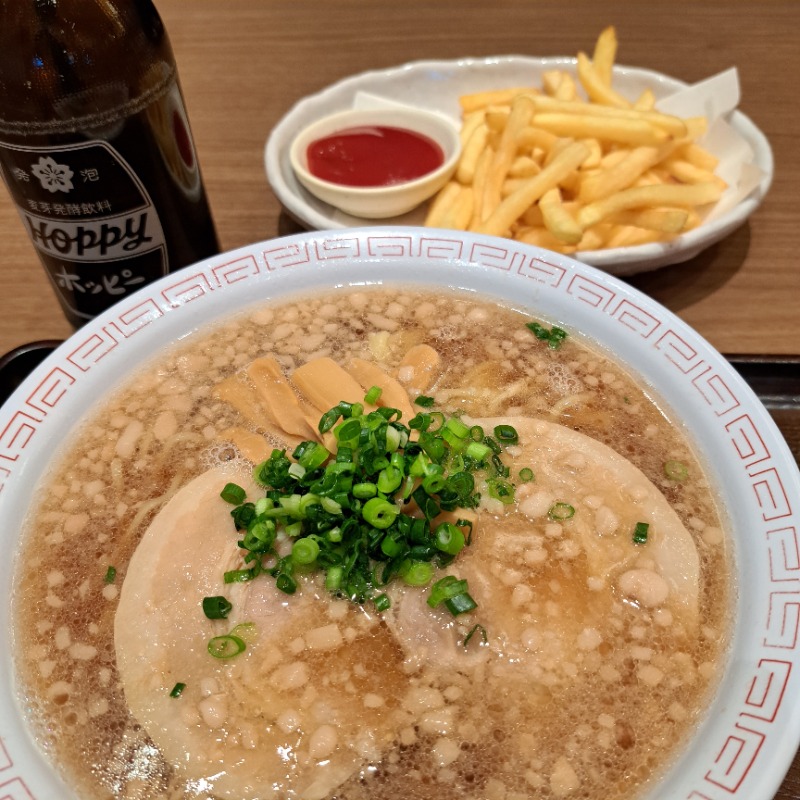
437	85
378	202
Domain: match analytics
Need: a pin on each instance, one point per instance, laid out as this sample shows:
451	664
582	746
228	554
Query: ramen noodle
586	665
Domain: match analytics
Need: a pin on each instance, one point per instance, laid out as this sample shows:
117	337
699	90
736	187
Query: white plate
436	85
746	741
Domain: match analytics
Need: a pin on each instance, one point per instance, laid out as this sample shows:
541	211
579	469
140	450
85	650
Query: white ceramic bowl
745	742
378	202
436	86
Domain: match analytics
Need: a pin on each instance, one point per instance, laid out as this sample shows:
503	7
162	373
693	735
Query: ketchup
373	155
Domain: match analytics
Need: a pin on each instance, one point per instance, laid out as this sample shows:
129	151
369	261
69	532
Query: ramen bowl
742	742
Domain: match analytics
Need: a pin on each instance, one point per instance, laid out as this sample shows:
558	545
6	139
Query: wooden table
243	63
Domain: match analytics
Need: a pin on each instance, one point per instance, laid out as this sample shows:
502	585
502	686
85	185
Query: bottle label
90	218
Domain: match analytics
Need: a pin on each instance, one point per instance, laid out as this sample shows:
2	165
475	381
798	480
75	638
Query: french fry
595	154
686	172
469	123
594	86
696	155
605	53
699	194
524	167
533	137
546	166
620	175
671	124
478	183
610	129
541	237
559	84
567	89
478	100
521	112
440	207
645	101
667	220
559	146
497	117
470	153
532	217
509	210
595	238
458	214
629	236
558	220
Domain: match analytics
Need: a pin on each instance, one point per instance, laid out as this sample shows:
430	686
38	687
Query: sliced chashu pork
284	719
519	562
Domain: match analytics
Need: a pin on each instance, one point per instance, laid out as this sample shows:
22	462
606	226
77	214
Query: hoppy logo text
92	240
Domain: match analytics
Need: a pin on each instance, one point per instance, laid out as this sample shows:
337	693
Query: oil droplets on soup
600	652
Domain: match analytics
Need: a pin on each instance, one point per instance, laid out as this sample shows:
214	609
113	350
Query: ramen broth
597	711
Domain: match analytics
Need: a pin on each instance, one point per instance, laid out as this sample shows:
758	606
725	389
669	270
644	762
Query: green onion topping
640	532
233	494
382	602
453	593
507	434
526	475
177	690
365	512
373	395
676	470
554	336
472	631
216	607
561	511
238	575
226	646
111	575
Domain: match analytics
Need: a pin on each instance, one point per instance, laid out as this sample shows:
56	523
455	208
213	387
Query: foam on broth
606	735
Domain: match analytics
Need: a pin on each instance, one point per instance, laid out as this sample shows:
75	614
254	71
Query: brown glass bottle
96	150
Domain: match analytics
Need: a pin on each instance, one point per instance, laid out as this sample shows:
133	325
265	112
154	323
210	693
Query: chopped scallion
382	602
233	494
477	450
455	425
379	513
449	539
346	512
444	589
472	631
507	434
111	575
286	583
416	573
460	604
373	395
424	401
238	576
640	533
177	690
554	336
305	551
226	646
526	475
501	490
216	607
561	511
